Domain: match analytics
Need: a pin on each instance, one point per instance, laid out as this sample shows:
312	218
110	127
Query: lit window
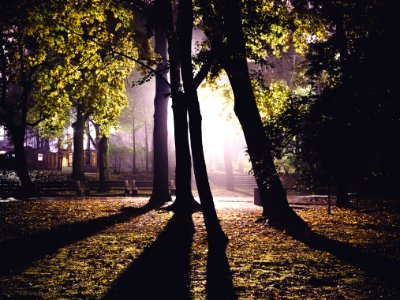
40	157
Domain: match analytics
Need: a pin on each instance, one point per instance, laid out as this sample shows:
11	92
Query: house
43	154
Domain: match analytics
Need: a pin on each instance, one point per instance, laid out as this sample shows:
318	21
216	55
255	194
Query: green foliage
270	27
83	38
73	53
271	100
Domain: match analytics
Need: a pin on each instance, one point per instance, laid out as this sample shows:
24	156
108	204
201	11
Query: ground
94	248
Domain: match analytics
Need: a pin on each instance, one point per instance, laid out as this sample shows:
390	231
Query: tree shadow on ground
378	266
219	277
162	271
16	254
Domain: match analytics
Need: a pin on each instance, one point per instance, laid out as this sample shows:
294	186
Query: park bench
108	186
59	188
8	189
147	185
141	185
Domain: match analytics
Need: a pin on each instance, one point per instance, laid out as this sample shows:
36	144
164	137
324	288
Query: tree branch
205	68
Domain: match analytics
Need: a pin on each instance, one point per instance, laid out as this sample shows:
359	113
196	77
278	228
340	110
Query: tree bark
21	166
342	198
185	27
133	147
103	162
78	159
160	193
88	157
184	202
146	136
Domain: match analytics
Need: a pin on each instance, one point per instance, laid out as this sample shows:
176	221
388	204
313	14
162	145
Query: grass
87	248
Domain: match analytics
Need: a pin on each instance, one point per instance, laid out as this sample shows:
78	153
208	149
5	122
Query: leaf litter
264	263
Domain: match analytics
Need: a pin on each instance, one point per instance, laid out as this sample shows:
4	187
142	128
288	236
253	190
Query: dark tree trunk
184	202
21	166
146	136
133	147
17	126
38	144
274	201
78	159
185	24
342	198
103	160
160	193
88	157
46	145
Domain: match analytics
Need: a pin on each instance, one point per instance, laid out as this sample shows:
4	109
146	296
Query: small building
43	158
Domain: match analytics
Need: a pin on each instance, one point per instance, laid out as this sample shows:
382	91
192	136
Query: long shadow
16	254
219	277
378	266
162	271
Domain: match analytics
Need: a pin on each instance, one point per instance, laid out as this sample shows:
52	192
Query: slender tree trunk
184	202
160	193
21	166
146	146
78	159
342	198
38	144
46	145
185	27
133	147
103	162
88	157
273	197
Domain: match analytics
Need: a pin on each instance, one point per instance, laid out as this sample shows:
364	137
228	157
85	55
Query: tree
351	106
190	84
160	193
228	42
58	53
184	202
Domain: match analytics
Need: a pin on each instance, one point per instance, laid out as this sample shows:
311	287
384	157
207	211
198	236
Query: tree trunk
103	162
133	147
273	197
184	202
146	146
78	162
21	166
160	193
38	144
185	27
46	145
88	157
342	198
